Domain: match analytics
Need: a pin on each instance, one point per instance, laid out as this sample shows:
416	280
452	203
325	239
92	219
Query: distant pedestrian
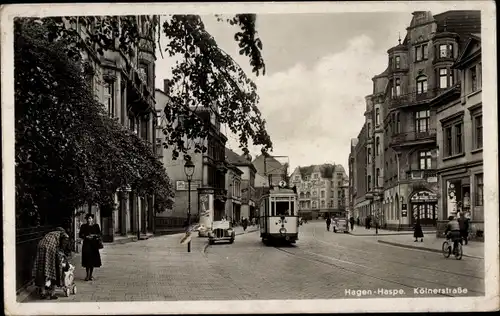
328	223
351	221
244	223
417	231
47	270
90	232
357	221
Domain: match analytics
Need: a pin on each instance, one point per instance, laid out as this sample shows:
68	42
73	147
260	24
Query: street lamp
189	171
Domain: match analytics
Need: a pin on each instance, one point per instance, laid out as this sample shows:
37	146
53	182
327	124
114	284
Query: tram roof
278	190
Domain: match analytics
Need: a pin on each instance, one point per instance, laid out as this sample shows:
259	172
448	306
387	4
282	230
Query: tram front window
283	208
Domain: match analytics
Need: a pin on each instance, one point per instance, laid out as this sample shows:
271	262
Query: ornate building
400	124
124	83
321	189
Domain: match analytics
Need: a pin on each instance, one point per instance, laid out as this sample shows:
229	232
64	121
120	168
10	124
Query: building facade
321	190
233	183
124	83
208	193
401	148
460	141
248	196
352	179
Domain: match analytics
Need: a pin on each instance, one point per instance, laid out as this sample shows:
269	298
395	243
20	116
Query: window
297	178
323	204
453	137
398	123
377	117
458	138
143	73
369	155
421	84
283	207
398	62
369	184
110	96
378	177
443	51
422	121
448	142
397	87
443	78
473	78
479	190
322	194
315	176
314	204
390	62
315	193
421	52
159	149
158	119
368	129
377	146
424	159
478	131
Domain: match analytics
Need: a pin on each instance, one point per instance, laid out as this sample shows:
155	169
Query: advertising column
205	209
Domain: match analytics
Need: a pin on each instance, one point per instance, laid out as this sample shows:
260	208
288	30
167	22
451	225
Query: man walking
328	223
464	227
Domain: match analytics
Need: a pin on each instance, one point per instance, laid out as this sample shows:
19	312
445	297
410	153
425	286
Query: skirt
91	258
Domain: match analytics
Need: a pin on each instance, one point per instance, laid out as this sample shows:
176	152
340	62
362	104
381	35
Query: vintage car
340	225
221	230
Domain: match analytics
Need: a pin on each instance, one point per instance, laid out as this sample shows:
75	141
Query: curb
421	248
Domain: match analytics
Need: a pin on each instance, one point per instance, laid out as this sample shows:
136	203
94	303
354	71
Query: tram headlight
282	230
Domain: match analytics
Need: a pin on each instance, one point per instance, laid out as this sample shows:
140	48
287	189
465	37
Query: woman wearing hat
91	235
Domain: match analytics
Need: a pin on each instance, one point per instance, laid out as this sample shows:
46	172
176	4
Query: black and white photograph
194	158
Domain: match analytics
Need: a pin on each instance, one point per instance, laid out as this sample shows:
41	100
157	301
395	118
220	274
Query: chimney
166	88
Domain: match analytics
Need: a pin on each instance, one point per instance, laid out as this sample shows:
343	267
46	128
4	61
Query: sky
318	72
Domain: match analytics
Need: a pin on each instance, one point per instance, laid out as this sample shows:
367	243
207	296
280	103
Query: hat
89	215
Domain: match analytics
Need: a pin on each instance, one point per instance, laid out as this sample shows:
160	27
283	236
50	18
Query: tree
207	76
68	151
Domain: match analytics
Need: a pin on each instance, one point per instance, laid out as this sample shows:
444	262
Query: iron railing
414	97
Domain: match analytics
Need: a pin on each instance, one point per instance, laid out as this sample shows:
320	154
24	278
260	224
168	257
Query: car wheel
231	240
211	242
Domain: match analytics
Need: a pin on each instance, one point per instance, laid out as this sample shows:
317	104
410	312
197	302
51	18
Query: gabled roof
467	52
237	160
266	164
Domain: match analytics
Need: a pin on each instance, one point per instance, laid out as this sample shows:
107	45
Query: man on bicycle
453	232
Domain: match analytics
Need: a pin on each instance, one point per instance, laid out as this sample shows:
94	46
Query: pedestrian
351	220
464	227
90	232
328	223
244	223
417	231
357	221
47	267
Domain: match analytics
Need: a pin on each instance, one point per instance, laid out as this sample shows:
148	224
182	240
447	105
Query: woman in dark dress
91	235
418	233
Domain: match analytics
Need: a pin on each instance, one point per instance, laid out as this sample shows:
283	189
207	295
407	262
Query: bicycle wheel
446	249
458	252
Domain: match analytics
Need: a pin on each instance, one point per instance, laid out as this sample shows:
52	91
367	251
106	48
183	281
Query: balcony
414	98
412	138
427	175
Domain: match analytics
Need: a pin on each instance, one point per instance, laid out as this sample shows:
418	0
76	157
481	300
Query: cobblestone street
322	265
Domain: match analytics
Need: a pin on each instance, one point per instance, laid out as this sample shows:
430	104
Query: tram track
382	258
327	260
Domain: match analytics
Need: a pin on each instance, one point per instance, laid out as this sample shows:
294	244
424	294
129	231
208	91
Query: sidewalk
128	268
362	231
474	249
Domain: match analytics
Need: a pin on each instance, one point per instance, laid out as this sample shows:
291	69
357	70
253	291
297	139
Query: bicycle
447	249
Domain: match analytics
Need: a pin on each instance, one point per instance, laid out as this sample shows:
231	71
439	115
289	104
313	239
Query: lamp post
189	171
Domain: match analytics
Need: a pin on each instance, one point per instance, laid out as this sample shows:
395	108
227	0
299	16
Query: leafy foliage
208	77
68	152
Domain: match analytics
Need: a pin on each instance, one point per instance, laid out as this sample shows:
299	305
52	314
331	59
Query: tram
278	215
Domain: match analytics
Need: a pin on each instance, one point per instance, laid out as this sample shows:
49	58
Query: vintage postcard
249	158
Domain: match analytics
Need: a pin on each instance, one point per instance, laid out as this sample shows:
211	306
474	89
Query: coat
47	261
417	232
91	258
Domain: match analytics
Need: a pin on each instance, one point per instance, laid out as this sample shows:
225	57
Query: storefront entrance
424	208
